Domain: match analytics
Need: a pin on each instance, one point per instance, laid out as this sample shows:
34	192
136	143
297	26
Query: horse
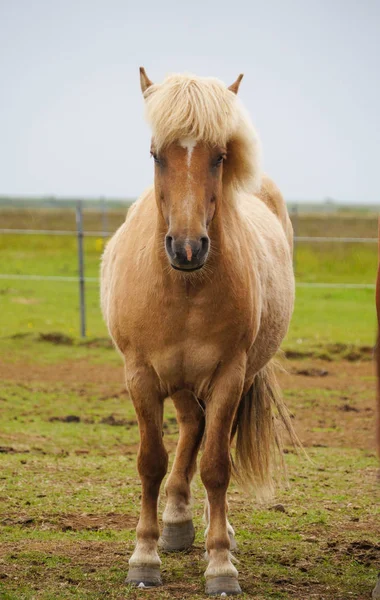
197	291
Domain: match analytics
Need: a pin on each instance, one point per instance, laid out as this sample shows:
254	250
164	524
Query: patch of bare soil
115	422
364	552
67	419
334	351
344	417
332	404
56	338
73	522
78	371
12	450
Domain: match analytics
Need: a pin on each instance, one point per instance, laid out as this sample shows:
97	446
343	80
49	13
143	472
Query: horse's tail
258	442
377	352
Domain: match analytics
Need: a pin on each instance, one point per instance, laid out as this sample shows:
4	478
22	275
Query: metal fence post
104	218
79	220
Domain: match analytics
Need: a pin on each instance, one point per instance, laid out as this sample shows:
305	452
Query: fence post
79	220
104	219
295	234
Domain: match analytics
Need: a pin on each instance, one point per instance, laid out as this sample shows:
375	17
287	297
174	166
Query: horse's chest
187	339
186	364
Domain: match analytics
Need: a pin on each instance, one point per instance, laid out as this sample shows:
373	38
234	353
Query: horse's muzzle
187	254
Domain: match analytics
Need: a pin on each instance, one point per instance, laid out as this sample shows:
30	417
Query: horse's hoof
223	584
144	576
177	536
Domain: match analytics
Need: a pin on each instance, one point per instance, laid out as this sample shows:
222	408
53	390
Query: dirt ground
333	406
349	409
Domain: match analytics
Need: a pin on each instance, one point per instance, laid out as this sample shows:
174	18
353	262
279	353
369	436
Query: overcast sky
71	111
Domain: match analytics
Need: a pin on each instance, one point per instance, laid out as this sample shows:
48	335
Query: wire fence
81	234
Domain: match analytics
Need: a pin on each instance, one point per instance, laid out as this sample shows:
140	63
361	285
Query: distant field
322	315
342	223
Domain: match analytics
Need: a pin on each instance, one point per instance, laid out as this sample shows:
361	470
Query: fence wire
301	284
345	240
81	279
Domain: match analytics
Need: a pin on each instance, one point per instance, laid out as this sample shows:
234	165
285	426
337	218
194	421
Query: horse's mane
205	109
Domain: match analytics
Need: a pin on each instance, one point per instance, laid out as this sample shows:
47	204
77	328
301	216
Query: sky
71	111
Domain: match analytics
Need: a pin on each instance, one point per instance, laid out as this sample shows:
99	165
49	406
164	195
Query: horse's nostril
205	241
168	243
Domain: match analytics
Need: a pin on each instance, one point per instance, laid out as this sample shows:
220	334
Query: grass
322	315
69	491
332	316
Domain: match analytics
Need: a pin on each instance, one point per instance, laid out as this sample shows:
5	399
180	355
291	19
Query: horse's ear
145	82
235	86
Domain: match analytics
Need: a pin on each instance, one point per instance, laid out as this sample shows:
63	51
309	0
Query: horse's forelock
206	110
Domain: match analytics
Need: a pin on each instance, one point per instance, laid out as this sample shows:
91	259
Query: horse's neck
225	226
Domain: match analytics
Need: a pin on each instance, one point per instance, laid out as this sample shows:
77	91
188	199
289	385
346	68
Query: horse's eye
220	159
155	157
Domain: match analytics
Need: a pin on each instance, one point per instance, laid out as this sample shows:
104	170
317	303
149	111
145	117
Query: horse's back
272	197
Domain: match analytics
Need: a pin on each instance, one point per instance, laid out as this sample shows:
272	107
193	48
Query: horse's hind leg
178	532
230	529
144	564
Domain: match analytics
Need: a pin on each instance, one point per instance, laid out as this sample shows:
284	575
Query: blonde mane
205	109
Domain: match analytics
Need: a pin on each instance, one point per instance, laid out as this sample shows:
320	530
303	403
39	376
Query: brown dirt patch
56	338
345	416
96	554
73	522
78	371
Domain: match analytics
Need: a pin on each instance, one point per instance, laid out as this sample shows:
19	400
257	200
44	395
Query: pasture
69	492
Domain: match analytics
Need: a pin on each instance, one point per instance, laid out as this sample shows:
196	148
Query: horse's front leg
152	462
178	532
221	575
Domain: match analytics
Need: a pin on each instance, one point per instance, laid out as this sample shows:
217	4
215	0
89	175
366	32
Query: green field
69	491
322	315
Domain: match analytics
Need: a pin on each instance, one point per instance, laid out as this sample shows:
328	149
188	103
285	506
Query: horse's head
188	184
190	159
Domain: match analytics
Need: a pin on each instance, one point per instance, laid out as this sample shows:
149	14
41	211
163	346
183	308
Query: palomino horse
197	292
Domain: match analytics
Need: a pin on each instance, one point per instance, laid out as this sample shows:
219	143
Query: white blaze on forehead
189	145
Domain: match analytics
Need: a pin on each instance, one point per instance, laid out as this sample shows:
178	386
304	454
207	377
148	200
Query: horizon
48	201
